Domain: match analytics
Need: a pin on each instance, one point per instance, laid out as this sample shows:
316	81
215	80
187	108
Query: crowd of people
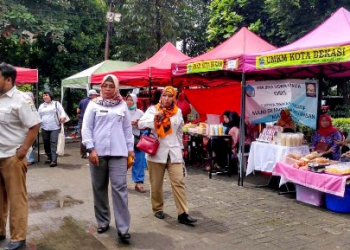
110	129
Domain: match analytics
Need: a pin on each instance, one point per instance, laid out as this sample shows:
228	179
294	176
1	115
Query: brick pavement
229	217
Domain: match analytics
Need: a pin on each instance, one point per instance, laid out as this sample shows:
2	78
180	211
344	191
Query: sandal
101	230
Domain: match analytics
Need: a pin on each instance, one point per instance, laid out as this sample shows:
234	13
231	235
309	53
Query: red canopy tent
25	75
325	51
155	71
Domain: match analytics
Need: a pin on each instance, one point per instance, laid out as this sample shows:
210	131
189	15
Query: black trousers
50	139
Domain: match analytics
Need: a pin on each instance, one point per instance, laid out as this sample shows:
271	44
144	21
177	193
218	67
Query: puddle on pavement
49	200
70	234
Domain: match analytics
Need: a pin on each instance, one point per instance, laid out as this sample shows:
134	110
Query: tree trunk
158	25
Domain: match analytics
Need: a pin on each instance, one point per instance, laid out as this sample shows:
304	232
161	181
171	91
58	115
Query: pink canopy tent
325	51
226	56
156	70
25	75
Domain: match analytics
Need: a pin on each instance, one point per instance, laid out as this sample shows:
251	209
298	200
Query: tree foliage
57	37
278	21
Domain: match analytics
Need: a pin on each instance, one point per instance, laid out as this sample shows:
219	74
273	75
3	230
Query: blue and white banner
265	99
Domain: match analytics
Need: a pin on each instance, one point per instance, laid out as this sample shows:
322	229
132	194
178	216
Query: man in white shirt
19	126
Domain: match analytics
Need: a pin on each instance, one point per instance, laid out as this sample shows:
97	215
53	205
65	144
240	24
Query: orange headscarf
287	121
163	125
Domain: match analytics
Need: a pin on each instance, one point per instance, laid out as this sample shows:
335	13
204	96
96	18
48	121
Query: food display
274	135
338	169
204	128
188	126
312	161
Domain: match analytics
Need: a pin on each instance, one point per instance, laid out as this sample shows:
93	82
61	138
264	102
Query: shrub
343	124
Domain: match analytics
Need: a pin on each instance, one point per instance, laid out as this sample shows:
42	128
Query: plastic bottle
212	130
220	129
216	130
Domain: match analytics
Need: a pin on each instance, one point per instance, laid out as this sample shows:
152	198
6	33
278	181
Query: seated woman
219	147
227	123
286	121
235	133
325	138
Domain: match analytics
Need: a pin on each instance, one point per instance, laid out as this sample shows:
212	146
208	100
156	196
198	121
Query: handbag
321	147
61	142
148	144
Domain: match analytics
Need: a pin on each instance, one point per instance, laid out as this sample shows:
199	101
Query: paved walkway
229	217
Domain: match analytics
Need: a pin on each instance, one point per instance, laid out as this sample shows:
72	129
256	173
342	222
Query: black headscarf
234	121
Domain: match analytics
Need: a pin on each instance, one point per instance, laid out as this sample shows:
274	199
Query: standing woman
138	169
166	123
107	135
52	115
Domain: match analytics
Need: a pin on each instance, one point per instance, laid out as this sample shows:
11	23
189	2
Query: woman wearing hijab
107	135
166	123
52	115
325	138
227	124
138	169
286	121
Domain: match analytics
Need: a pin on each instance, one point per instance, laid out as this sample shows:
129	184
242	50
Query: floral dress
330	140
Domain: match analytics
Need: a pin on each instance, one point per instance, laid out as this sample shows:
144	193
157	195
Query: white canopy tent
82	80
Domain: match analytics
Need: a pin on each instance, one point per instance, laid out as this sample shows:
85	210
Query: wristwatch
89	150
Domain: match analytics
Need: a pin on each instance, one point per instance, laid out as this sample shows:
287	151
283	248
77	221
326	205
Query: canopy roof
82	79
25	75
325	51
156	69
225	55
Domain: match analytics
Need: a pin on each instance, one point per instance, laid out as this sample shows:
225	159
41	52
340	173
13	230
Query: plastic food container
339	204
309	195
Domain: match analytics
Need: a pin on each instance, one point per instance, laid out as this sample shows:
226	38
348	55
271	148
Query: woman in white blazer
166	123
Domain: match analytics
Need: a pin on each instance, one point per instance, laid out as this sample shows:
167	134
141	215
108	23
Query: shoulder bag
148	144
61	142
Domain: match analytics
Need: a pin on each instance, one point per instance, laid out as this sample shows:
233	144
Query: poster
265	99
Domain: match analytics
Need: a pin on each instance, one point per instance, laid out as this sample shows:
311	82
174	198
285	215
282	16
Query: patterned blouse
330	141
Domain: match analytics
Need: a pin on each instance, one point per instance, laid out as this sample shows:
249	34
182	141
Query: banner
265	99
304	57
205	66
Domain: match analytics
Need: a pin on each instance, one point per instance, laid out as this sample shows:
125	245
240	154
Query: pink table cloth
323	182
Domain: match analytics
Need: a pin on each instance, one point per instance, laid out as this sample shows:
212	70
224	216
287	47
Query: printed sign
265	100
232	64
205	66
304	57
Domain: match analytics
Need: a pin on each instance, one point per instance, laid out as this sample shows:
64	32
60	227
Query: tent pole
37	105
242	134
150	91
319	101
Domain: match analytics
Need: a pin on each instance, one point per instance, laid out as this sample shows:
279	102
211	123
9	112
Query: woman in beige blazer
166	122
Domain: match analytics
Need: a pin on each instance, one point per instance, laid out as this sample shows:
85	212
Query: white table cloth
263	156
